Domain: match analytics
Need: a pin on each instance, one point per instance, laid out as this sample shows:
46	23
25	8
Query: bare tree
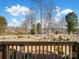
25	24
49	15
45	7
40	4
28	22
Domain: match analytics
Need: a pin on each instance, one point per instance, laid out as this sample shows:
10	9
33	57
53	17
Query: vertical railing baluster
31	52
39	51
35	52
12	51
50	51
28	52
23	51
8	52
20	51
62	51
54	52
43	52
70	51
76	52
58	51
65	51
16	52
47	52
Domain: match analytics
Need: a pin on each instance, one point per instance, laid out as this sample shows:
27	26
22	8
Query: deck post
4	52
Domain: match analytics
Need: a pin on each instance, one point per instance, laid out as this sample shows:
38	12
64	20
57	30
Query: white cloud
14	23
56	20
18	10
66	11
60	12
22	19
11	24
57	10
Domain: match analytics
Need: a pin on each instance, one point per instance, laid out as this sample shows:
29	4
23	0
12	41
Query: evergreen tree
39	28
72	22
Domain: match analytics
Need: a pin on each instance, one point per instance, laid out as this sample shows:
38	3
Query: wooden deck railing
39	50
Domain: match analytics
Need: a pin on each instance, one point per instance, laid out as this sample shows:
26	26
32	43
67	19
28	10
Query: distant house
54	30
17	30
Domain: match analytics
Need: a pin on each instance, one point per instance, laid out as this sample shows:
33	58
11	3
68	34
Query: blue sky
14	17
72	4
